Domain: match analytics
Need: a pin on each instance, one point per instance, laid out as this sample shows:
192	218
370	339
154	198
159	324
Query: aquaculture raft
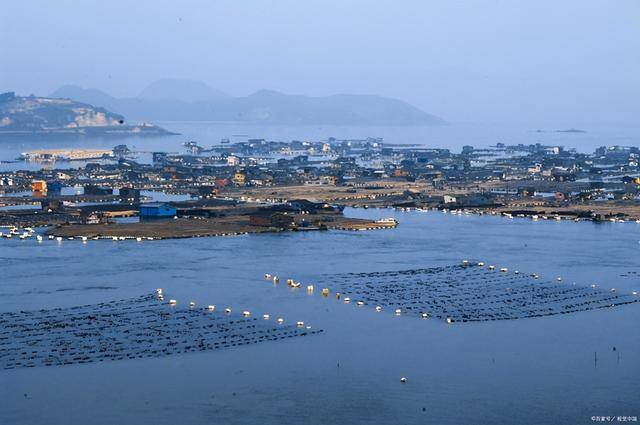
126	329
468	293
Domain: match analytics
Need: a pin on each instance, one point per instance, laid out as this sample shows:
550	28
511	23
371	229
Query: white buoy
115	238
449	320
267	276
517	272
504	269
39	238
593	285
425	315
211	307
359	303
465	262
492	267
309	288
192	304
398	312
59	239
159	291
300	324
378	308
559	279
480	263
613	289
246	313
280	320
173	302
227	310
347	300
403	380
139	239
265	316
325	291
84	239
634	293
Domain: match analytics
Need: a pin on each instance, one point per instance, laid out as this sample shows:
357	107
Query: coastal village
256	185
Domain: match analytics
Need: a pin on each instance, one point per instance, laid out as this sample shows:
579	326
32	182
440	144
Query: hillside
262	107
20	115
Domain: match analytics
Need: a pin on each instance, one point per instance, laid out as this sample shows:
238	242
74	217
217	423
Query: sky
537	62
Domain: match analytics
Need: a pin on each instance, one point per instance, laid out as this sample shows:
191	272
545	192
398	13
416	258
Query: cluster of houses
513	171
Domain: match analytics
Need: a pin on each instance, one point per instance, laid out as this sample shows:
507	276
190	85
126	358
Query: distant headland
187	100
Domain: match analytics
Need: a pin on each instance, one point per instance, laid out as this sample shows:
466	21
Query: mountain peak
181	89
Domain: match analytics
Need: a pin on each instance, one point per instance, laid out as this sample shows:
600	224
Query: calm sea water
527	371
453	136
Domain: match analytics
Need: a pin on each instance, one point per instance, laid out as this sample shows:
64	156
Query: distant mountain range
38	116
186	100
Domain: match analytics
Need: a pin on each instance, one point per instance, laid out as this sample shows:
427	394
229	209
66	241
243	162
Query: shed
157	210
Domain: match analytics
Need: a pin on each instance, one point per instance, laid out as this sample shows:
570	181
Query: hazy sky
473	61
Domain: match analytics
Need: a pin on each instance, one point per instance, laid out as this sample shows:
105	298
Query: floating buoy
227	310
403	380
593	285
161	297
347	300
338	295
39	238
192	304
613	289
309	288
267	276
300	324
504	269
265	316
480	263
159	291
139	239
59	239
211	307
492	267
360	303
246	313
559	279
517	272
325	291
425	315
398	312
115	238
280	320
276	279
465	262
173	302
449	320
378	308
634	293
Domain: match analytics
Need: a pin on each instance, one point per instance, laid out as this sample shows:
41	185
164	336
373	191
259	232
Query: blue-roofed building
157	210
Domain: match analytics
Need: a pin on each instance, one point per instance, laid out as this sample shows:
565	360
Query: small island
32	116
